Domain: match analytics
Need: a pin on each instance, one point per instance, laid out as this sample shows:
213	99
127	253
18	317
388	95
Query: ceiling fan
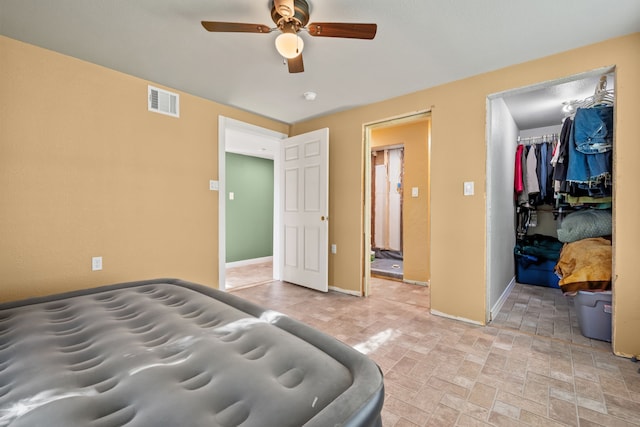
291	17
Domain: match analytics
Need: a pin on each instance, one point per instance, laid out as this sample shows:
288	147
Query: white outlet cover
96	263
214	185
414	191
468	188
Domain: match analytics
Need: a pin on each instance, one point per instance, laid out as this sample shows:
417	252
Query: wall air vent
164	102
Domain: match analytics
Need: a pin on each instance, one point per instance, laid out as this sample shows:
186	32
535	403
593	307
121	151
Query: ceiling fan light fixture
292	17
289	45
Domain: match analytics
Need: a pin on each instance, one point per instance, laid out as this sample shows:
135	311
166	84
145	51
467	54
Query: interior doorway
387	169
245	139
300	241
529	113
249	210
396	211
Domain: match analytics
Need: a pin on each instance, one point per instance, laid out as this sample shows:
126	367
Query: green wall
249	217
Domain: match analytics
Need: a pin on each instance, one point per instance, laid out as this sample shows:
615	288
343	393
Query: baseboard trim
503	298
245	262
345	291
462	319
417	282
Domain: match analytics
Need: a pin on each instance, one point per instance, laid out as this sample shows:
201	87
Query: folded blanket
585	224
539	248
585	265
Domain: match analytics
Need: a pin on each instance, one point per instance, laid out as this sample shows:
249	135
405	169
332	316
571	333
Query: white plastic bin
594	314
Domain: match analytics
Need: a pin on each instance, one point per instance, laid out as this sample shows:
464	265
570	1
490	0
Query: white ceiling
419	44
541	105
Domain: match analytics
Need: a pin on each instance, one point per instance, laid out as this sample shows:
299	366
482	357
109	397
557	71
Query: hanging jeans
594	130
590	150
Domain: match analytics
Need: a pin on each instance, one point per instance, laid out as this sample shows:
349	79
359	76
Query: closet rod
537	139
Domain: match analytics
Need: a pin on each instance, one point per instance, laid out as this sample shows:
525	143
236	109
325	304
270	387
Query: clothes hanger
601	97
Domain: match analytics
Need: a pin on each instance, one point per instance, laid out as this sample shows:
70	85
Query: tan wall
458	151
415	231
86	170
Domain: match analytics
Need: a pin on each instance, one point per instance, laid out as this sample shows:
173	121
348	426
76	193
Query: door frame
270	141
494	302
367	128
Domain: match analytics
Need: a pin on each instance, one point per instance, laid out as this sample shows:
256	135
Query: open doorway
249	209
396	212
247	146
300	200
527	119
387	169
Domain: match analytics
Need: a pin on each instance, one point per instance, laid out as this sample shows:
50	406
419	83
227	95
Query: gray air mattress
171	353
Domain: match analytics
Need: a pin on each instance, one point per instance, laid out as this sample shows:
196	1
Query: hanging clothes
523	197
518	182
533	187
533	180
560	168
542	170
590	152
550	198
594	129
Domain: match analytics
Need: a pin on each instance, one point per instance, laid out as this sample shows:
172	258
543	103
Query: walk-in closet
550	208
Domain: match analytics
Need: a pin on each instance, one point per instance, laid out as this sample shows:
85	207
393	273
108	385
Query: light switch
414	191
231	195
468	188
214	185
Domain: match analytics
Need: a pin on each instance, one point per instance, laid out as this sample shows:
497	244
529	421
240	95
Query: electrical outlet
334	248
96	263
468	188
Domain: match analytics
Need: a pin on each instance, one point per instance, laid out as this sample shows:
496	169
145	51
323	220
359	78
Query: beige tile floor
255	274
529	367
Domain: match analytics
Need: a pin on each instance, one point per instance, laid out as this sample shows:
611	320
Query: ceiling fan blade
343	30
295	64
234	27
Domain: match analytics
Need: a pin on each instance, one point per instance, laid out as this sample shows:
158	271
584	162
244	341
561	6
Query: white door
305	202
